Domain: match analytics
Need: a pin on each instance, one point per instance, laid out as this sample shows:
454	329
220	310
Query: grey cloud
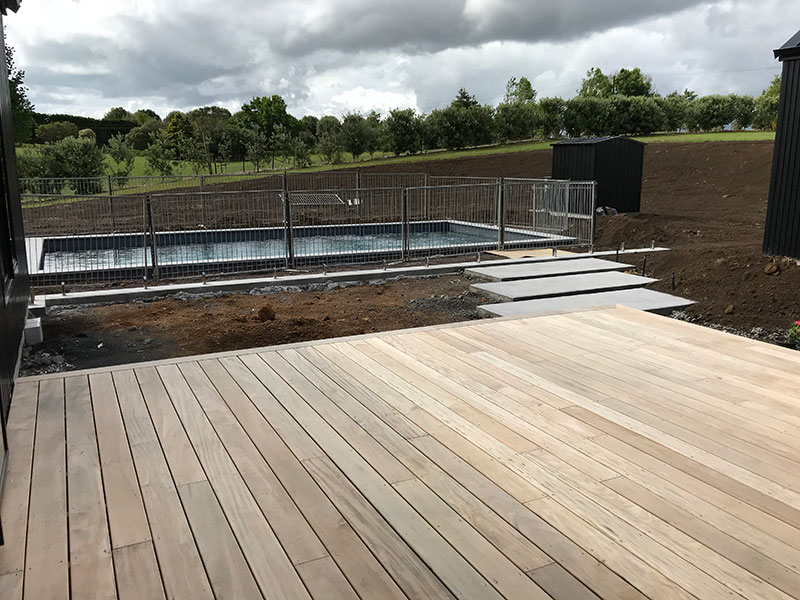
429	26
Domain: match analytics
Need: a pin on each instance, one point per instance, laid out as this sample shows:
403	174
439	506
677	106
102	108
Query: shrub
74	157
709	113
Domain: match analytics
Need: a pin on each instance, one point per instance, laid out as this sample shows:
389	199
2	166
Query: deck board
606	453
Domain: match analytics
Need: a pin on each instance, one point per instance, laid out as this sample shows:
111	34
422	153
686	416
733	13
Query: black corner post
151	228
287	228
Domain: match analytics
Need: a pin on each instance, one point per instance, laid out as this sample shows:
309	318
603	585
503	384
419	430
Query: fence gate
551	207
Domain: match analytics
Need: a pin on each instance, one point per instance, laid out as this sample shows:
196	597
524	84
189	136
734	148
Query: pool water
316	245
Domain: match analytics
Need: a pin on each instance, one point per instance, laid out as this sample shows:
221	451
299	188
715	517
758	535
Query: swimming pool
70	257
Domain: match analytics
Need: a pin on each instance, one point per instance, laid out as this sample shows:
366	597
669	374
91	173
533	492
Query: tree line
211	139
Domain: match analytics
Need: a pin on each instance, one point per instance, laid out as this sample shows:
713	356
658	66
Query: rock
133	328
772	268
729	309
147	342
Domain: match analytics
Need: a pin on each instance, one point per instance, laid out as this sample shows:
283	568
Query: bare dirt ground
98	336
705	201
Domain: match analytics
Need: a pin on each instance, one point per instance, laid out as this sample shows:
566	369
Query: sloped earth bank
706	201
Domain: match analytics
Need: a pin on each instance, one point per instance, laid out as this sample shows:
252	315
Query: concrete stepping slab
565	285
640	298
547	269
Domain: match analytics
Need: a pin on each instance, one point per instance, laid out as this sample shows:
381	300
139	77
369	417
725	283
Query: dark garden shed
782	226
615	163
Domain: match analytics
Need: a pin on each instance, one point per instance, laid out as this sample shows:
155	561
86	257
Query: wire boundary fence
171	234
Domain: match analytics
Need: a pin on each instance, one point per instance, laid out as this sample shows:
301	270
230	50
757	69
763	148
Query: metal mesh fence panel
332	226
217	232
85	239
453	219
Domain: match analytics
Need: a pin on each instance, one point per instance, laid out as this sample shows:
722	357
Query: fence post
111	205
594	213
425	201
152	229
358	193
501	214
405	225
288	234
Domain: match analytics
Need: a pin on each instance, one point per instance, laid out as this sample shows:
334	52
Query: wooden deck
606	453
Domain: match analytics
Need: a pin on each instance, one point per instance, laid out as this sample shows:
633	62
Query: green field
140	164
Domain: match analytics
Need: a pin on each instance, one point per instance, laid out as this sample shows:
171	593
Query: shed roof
595	140
790	49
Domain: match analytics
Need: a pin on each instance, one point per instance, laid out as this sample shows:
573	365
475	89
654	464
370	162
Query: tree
374	133
403	131
596	84
551	113
744	110
632	83
329	139
516	121
121	157
355	134
709	113
264	113
140	137
234	145
464	99
143	115
282	143
22	110
118	113
519	91
73	158
210	124
55	132
587	115
257	148
766	116
160	155
307	129
675	107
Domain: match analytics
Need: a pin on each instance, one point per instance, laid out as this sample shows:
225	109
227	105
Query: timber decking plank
227	568
126	515
556	581
183	463
358	564
323	579
268	560
137	572
451	568
182	569
47	559
16	488
91	564
291	529
504	537
571	556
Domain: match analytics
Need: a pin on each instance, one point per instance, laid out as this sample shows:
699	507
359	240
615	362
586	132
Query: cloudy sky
334	56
